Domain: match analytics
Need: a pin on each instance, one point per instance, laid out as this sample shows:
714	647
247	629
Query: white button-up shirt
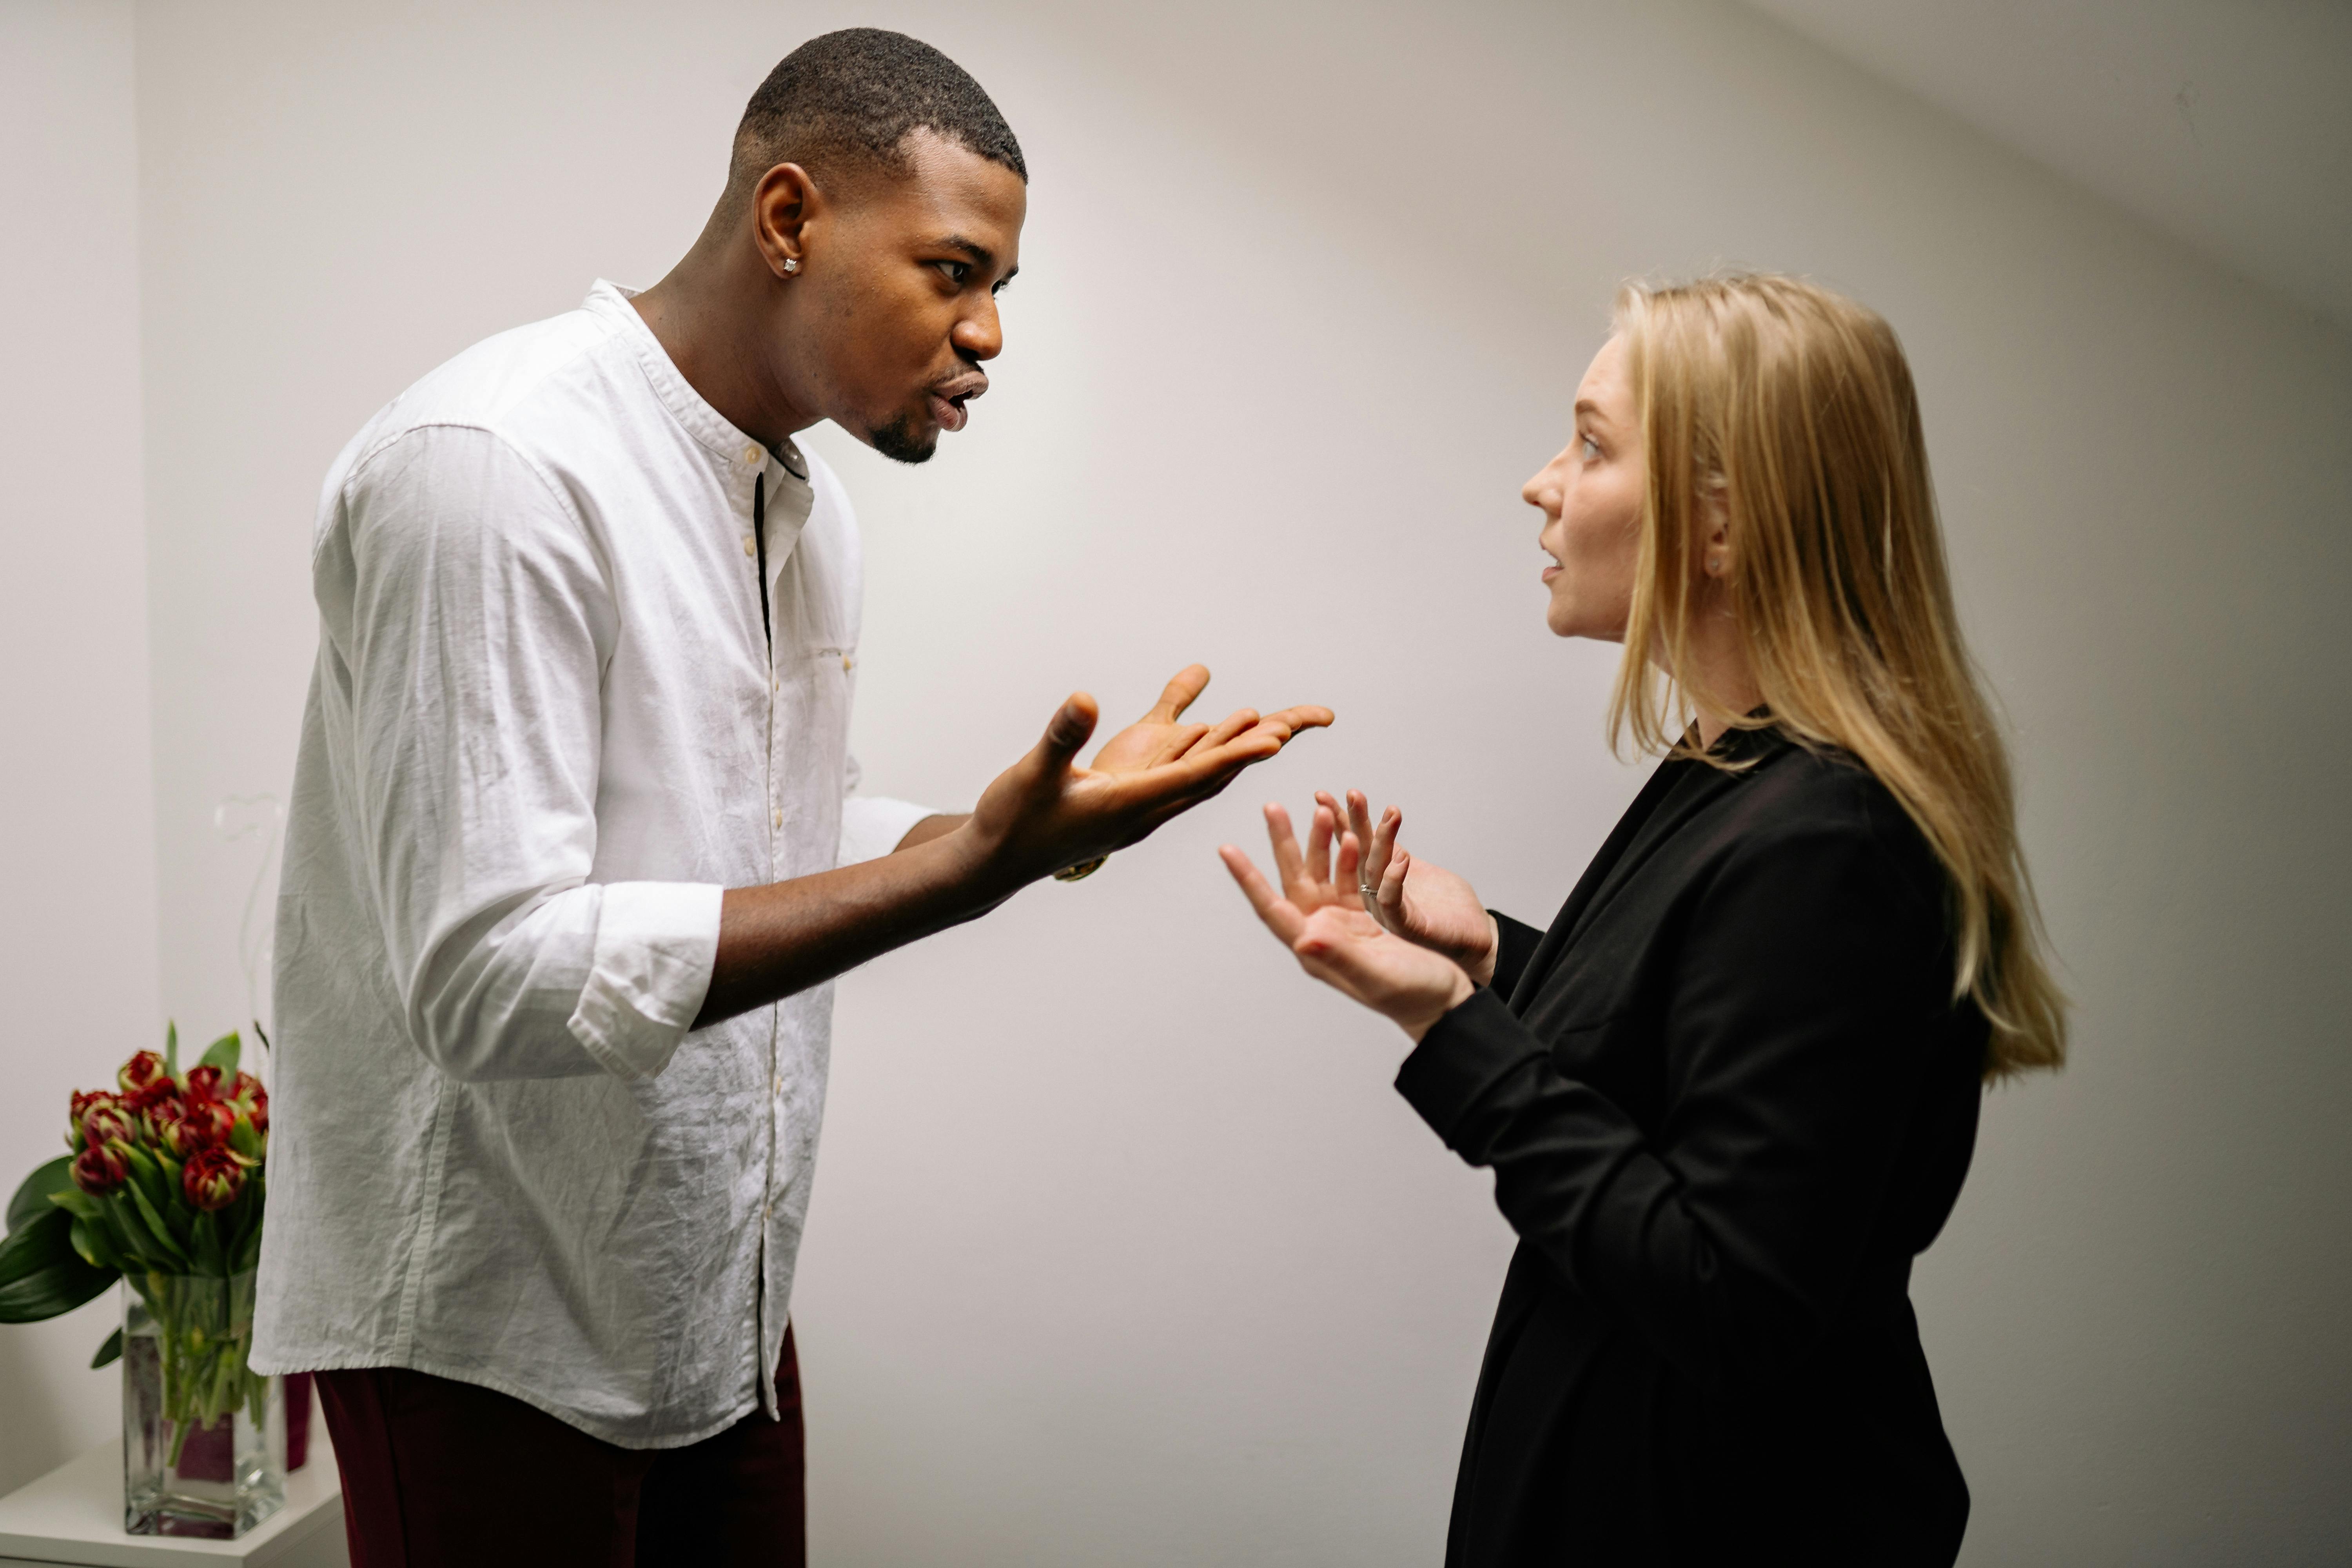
545	730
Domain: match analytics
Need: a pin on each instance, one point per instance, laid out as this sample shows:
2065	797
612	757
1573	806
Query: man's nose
980	335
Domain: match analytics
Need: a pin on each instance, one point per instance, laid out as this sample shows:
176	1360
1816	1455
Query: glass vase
204	1437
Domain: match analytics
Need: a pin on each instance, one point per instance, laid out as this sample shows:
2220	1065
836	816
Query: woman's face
1592	497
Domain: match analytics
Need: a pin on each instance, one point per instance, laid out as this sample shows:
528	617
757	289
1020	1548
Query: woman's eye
1588	448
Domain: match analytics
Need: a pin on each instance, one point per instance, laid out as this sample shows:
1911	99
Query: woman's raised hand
1420	902
1321	917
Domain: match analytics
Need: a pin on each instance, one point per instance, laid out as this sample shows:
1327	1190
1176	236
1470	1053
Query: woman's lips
1551	571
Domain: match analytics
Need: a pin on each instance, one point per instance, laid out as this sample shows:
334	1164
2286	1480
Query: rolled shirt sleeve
481	621
871	825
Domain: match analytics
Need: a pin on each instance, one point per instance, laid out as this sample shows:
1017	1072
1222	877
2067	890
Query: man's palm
1162	736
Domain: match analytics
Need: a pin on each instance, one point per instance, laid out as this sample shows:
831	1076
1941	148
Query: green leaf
222	1054
166	1245
52	1293
36	1247
171	1049
128	1235
210	1259
225	1054
248	1248
78	1204
42	1276
95	1245
34	1195
109	1352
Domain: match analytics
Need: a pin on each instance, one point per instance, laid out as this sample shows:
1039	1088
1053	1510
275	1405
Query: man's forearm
785	937
931	827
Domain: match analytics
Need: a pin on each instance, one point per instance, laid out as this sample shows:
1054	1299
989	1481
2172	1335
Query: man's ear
782	204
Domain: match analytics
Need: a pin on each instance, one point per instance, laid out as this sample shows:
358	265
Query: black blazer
1727	1099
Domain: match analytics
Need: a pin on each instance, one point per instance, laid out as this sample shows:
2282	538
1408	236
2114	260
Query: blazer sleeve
1809	988
1517	945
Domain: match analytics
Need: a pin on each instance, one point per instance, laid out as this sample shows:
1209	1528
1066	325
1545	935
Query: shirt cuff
657	943
871	825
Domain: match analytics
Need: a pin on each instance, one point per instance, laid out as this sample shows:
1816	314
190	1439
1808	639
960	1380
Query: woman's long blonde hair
1786	412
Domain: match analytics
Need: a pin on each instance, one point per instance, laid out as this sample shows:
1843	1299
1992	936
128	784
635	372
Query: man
574	855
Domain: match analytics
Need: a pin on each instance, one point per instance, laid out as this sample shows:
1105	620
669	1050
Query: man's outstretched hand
1046	812
1041	814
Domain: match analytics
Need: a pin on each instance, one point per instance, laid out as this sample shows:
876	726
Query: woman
1732	1091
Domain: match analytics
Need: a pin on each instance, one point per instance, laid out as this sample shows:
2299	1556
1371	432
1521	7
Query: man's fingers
1240	721
1178	695
1181	741
1306	716
1068	729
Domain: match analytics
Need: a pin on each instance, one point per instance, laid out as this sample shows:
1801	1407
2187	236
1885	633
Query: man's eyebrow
978	254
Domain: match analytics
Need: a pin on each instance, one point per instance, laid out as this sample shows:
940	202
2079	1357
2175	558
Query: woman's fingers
1286	844
1391	892
1318	846
1351	862
1281	915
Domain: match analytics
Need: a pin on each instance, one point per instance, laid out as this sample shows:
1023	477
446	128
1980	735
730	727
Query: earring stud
792	264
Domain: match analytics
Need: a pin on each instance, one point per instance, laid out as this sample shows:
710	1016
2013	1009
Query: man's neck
709	318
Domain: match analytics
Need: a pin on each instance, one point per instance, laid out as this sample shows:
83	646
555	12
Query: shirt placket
755	464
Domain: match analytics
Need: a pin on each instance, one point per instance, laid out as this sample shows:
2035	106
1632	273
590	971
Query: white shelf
72	1518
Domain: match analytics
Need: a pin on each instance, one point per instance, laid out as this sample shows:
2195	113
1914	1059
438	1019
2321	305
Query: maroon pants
439	1474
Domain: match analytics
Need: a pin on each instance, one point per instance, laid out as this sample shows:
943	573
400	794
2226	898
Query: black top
1727	1099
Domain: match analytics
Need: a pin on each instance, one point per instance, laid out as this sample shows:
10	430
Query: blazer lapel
1660	783
1675	792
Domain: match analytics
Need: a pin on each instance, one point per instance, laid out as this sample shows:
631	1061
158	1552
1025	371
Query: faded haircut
842	106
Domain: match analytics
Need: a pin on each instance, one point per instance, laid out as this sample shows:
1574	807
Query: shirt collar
743	455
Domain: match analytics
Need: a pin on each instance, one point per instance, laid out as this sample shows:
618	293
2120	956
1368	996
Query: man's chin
905	440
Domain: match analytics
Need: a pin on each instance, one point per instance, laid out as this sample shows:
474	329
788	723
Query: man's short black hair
849	98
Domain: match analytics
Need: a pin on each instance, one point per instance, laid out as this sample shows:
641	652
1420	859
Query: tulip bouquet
162	1189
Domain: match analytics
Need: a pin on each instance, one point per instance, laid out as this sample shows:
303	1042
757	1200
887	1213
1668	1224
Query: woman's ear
1715	525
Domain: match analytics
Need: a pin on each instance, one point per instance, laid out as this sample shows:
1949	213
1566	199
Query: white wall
76	797
1124	1251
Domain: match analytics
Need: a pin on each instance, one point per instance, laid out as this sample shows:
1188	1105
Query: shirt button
777	1083
779	818
750	545
847	664
753	454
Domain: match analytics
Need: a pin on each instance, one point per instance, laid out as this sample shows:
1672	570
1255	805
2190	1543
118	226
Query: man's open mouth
948	400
